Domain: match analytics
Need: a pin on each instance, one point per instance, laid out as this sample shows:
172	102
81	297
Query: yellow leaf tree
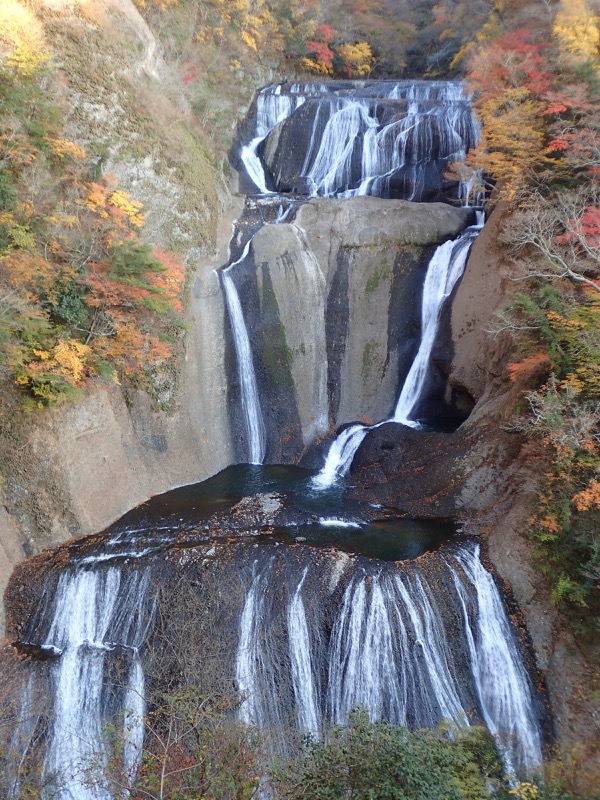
577	31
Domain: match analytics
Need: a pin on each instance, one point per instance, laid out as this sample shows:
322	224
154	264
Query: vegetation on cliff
81	295
536	78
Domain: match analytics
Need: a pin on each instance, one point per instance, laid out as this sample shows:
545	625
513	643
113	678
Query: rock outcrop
331	301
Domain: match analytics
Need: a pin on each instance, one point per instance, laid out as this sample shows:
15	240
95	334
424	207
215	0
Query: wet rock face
419	473
332	305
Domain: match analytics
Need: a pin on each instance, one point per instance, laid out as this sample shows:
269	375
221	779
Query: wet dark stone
417	472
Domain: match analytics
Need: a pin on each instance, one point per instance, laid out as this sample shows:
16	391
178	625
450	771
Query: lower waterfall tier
295	637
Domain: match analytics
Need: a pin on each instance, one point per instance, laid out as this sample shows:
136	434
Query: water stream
445	269
255	426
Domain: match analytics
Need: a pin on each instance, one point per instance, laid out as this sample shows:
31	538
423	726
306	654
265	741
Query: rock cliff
331	301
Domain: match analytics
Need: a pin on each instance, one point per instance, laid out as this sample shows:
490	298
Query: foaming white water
334	522
255	426
253	164
92	616
303	677
390	644
363	669
429	636
503	686
340	455
445	268
259	705
271	107
356	148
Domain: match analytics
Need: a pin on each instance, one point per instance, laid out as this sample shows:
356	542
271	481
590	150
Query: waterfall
445	268
380	138
271	107
259	702
386	646
429	638
503	686
363	668
340	455
330	172
253	164
395	131
417	643
93	616
255	426
303	678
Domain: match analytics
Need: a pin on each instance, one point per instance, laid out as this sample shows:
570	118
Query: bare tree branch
557	238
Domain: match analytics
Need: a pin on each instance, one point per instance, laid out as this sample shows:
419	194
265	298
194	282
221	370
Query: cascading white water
271	107
331	169
92	616
389	651
428	632
351	151
246	655
134	710
340	455
303	677
363	669
257	707
445	268
437	124
384	644
255	426
503	686
253	164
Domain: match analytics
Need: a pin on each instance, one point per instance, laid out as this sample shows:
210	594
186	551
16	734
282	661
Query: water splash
503	687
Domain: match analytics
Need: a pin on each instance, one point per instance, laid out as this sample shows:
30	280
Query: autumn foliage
534	70
80	294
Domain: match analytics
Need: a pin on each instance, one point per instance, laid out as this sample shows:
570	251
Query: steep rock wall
481	474
503	498
75	469
331	301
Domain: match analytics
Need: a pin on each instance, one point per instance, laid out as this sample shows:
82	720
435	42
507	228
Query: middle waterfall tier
326	318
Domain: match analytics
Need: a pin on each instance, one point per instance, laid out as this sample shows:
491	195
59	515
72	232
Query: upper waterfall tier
382	138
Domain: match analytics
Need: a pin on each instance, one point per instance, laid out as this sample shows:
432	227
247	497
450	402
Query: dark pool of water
158	523
388	540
